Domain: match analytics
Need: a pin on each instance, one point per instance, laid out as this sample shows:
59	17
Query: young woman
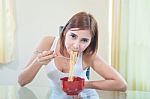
81	35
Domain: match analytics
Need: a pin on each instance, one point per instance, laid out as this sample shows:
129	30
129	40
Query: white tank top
55	74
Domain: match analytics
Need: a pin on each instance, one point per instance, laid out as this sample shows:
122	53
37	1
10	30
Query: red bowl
72	87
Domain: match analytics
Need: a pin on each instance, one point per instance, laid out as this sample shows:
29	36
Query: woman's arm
112	79
34	65
29	72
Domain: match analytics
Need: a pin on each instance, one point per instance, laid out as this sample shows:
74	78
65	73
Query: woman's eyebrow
85	38
73	34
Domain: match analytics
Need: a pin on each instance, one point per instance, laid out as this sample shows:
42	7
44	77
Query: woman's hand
45	57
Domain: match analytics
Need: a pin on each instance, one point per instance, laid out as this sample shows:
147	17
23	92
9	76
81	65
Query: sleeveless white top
54	76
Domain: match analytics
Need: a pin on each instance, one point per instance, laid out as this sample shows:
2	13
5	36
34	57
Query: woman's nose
76	46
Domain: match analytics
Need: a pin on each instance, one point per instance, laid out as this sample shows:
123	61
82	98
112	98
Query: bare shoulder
103	68
97	61
45	43
88	59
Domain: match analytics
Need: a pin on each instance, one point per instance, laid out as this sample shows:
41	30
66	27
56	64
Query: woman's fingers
45	57
45	53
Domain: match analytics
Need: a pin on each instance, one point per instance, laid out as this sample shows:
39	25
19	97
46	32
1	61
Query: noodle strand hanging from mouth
73	59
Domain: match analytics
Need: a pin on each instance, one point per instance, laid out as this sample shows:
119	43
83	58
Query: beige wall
37	18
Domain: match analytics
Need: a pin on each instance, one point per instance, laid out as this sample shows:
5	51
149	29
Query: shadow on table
112	95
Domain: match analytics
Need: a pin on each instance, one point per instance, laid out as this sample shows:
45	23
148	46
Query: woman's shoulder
48	38
46	43
88	59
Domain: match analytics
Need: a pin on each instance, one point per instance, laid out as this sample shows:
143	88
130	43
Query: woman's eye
85	40
73	36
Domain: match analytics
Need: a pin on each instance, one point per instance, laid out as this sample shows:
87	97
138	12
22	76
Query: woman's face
77	40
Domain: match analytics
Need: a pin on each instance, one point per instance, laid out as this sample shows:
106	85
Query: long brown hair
83	21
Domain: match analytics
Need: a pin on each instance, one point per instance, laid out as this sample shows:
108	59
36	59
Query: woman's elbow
122	86
21	81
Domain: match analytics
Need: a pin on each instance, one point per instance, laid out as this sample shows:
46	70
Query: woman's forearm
111	85
28	74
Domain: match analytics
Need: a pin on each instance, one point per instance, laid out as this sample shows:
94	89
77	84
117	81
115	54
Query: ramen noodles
73	58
